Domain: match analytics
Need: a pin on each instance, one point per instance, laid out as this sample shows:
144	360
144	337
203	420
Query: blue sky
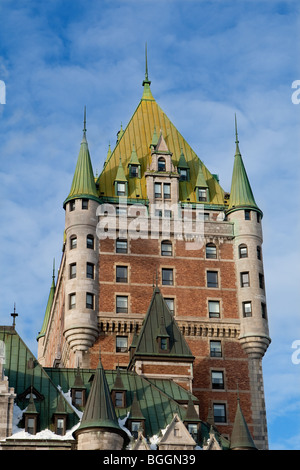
207	61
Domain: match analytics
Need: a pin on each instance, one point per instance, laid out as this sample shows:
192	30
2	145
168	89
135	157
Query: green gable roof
158	321
26	375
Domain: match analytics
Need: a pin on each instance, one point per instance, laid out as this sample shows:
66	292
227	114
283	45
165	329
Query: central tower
157	218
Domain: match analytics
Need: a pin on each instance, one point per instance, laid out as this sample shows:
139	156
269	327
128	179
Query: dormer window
202	194
134	171
163	344
183	174
121	189
161	164
78	396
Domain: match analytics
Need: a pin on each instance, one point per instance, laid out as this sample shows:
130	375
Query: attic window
78	396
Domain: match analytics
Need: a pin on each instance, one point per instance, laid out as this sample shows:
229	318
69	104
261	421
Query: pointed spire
154	138
201	181
83	184
49	305
182	161
84	124
147	95
241	195
120	176
134	158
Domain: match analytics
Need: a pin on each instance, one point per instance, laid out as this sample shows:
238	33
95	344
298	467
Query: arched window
211	251
166	248
243	251
73	242
161	164
90	242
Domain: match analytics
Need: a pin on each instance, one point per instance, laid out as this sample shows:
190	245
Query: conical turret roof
241	195
99	411
241	437
48	307
83	184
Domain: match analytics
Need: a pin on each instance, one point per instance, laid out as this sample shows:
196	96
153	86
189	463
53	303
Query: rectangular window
72	206
134	171
90	242
73	271
89	300
72	301
247	309
90	270
217	379
122	304
215	349
219	413
60	426
121	344
171	305
183	174
167	277
158	213
85	204
121	246
261	281
121	189
121	274
214	308
167	191
245	281
73	243
157	190
202	194
212	278
166	248
247	214
263	310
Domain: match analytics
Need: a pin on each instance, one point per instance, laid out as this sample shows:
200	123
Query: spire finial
84	122
236	137
14	315
146	63
146	81
53	271
236	132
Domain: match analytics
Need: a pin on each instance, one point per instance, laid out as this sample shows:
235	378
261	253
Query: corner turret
81	273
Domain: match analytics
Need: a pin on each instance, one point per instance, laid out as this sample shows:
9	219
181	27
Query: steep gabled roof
142	131
158	321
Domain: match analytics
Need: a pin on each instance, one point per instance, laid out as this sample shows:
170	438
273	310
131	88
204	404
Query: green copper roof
182	161
33	387
99	411
83	184
241	437
147	343
120	176
48	308
241	195
134	158
200	181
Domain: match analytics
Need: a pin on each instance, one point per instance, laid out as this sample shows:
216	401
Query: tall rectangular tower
157	221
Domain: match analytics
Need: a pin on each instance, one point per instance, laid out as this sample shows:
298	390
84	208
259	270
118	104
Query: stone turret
247	218
254	332
81	275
